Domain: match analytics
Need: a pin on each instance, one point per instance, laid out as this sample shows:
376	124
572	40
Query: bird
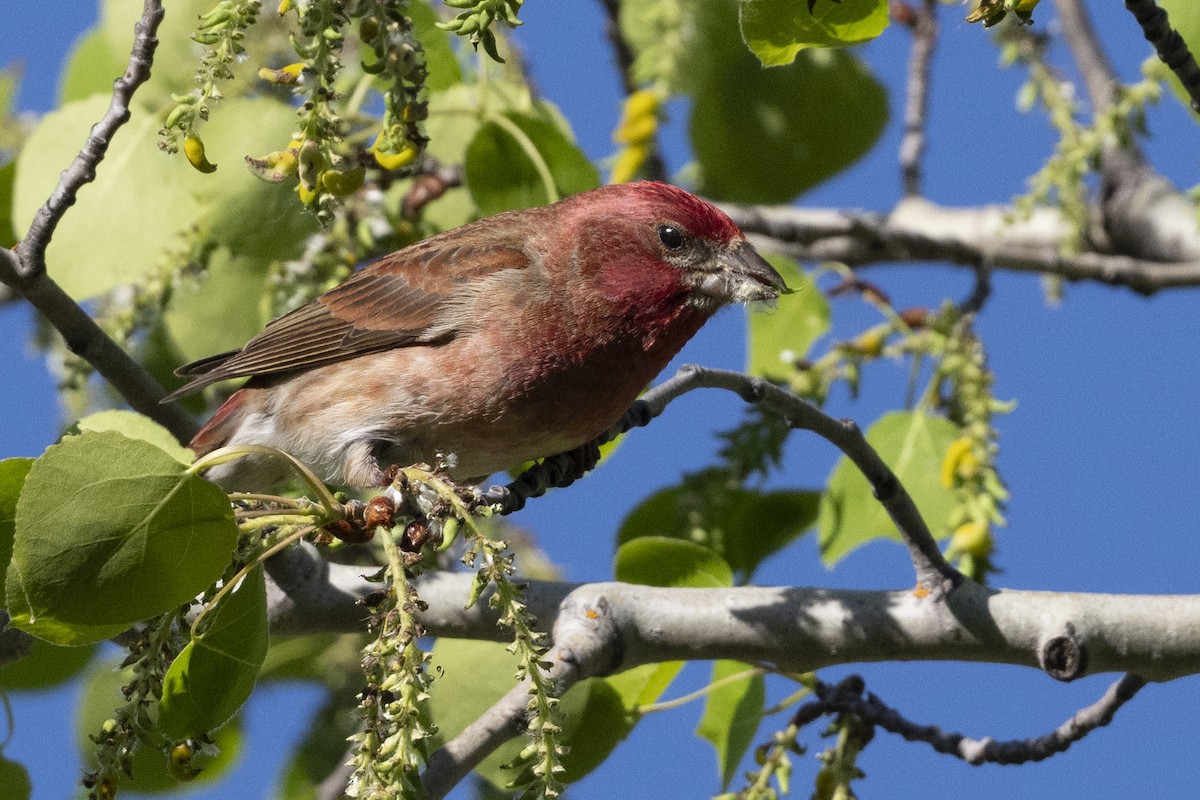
511	338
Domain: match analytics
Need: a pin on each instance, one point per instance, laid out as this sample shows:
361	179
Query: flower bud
193	148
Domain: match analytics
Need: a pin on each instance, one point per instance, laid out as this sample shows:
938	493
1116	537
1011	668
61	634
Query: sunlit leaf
136	426
503	175
786	332
776	30
662	561
913	444
214	675
732	714
121	518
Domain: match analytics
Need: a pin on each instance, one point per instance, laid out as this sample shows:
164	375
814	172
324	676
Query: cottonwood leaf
502	175
732	714
913	444
778	336
110	531
776	30
215	673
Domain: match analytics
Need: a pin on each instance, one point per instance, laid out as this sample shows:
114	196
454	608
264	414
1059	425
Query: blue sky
1099	454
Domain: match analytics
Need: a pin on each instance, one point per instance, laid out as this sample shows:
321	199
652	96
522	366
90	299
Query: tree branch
803	629
1171	48
916	106
988	236
586	643
23	269
32	248
846	696
934	573
1143	214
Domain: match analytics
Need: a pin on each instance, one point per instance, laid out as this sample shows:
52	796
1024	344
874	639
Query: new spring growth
989	12
635	133
475	23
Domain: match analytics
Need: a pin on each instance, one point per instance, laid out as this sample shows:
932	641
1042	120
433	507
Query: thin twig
32	248
24	268
1097	71
654	168
846	696
933	571
916	107
1170	46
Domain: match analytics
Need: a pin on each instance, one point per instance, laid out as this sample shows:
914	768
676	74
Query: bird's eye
670	236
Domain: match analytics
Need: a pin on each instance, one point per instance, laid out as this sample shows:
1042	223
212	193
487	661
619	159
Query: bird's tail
217	431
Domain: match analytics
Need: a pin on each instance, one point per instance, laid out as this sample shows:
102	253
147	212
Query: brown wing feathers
398	301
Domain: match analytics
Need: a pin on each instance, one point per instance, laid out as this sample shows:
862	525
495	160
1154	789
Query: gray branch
991	237
916	104
802	629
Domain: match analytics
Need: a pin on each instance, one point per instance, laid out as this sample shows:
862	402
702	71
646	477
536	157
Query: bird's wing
402	300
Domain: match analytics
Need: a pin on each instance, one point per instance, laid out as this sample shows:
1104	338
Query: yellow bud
284	6
870	343
639	120
642	103
972	538
284	76
959	449
193	148
636	131
274	167
392	161
307	194
340	184
629	162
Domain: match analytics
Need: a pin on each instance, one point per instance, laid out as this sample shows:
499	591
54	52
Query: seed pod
193	148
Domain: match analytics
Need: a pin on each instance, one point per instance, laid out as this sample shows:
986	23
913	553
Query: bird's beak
740	275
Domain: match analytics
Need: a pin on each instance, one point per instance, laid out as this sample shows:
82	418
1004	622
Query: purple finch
512	338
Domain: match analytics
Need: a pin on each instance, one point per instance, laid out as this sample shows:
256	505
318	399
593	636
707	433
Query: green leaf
221	310
14	780
776	30
765	523
471	676
151	775
913	444
215	673
93	65
732	714
8	173
135	426
663	561
12	477
46	665
101	54
501	173
1184	16
765	136
780	335
643	685
109	531
440	61
136	181
94	247
743	528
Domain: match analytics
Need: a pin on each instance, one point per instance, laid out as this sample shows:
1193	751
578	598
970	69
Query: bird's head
675	241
